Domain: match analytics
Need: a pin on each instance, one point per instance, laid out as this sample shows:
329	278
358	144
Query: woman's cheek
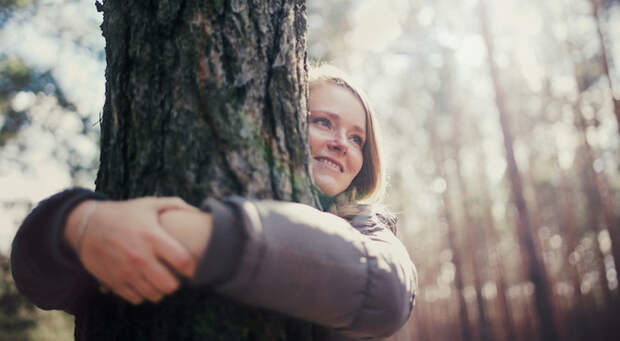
358	162
316	138
313	138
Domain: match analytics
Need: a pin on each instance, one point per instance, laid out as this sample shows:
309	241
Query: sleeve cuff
225	247
63	253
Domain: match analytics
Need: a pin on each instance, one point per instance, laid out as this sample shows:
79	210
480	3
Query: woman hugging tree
343	269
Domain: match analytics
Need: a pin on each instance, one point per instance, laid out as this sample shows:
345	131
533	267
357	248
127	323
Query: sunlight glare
376	24
23	100
489	290
439	185
426	16
471	52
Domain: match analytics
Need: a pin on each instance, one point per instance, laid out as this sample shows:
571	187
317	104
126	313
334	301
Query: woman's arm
308	264
282	256
120	245
45	269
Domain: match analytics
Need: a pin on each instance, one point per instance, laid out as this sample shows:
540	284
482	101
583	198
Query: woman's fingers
128	294
161	278
123	289
173	253
146	288
145	282
170	203
147	278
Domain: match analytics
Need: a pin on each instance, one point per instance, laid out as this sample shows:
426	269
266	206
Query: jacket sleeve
44	268
316	266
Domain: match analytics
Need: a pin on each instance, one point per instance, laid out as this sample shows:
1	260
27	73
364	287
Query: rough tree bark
203	98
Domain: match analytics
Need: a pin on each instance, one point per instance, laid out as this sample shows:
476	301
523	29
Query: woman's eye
357	140
322	121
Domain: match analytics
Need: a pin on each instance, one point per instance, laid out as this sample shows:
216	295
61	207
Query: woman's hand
124	246
190	228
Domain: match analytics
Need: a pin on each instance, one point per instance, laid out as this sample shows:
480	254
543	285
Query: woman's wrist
77	222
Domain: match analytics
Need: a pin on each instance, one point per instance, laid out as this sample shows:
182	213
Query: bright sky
79	72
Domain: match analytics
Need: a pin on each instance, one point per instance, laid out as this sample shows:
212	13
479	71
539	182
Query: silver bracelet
84	226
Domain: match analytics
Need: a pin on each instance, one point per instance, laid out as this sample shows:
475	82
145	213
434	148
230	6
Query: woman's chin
327	185
327	180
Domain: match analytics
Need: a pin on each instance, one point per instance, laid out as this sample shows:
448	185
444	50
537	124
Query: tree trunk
535	267
495	263
595	4
203	98
475	239
598	194
439	159
580	321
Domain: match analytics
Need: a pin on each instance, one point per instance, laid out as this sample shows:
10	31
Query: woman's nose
338	143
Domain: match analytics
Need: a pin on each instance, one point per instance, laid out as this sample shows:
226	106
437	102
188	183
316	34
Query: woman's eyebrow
335	117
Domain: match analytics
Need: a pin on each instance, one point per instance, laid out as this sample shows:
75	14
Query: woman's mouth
331	163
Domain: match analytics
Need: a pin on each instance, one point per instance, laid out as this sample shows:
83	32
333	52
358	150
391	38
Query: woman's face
337	135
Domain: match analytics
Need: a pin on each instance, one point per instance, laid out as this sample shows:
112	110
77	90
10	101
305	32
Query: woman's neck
326	201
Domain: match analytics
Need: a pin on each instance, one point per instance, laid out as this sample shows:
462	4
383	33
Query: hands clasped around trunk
136	248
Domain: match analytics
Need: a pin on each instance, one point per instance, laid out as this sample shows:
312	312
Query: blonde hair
368	185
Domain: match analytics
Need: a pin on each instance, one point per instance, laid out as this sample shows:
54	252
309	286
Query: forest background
501	128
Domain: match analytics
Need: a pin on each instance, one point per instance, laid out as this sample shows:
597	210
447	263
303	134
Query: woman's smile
330	163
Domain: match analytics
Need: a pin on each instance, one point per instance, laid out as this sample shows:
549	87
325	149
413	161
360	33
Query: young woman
343	270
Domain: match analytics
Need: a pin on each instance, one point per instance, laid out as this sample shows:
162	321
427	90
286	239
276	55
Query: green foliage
13	71
5	4
16	313
16	77
12	122
8	7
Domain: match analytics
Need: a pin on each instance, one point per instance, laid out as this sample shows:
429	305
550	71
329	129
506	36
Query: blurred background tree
426	66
